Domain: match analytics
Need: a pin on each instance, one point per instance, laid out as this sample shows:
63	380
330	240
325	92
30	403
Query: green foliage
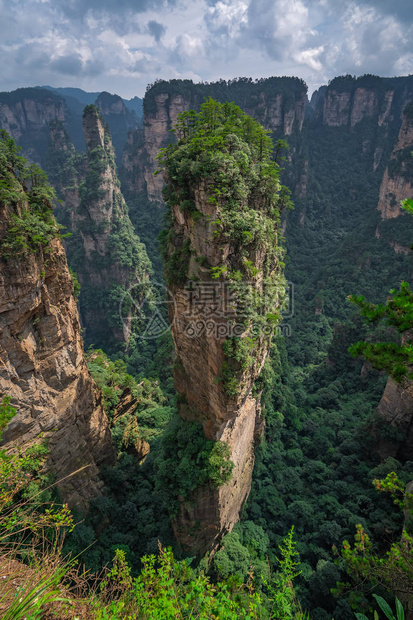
394	570
407	205
349	83
398	313
187	461
243	91
386	609
7	412
147	410
29	197
33	595
164	589
168	589
230	154
27	508
281	592
239	354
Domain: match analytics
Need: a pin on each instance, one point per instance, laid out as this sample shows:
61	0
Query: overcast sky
122	45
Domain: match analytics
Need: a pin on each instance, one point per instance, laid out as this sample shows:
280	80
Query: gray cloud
81	7
122	45
401	9
156	29
68	65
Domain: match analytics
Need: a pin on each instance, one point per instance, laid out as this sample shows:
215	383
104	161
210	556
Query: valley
272	434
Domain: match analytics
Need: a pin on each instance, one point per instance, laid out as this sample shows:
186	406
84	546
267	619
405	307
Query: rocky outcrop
277	103
213	275
158	121
200	358
397	183
42	367
26	113
120	119
395	410
395	418
104	250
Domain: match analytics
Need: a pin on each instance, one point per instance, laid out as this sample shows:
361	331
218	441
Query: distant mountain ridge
86	98
26	114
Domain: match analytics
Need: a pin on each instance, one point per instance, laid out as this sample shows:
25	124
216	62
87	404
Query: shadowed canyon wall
104	250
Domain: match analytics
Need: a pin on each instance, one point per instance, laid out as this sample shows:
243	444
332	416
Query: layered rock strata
216	279
42	366
104	250
397	183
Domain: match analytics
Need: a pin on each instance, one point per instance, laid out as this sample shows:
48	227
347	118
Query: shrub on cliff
231	153
188	460
25	191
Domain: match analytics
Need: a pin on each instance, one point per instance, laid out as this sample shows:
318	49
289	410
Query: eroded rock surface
42	367
397	184
104	250
220	280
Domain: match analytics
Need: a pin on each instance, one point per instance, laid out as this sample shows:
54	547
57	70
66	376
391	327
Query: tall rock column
224	272
42	366
104	249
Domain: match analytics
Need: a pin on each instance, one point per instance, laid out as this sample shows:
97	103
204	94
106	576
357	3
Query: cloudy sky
122	45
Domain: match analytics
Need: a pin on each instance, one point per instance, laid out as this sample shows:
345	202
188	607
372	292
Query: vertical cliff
224	273
104	249
348	101
42	366
26	113
395	412
277	103
397	183
120	119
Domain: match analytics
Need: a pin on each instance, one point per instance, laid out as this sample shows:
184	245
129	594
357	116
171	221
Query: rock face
104	250
277	103
234	419
347	108
26	113
120	119
396	410
397	184
347	101
42	367
213	275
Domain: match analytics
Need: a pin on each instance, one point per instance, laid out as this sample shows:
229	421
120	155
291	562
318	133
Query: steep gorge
338	244
318	403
